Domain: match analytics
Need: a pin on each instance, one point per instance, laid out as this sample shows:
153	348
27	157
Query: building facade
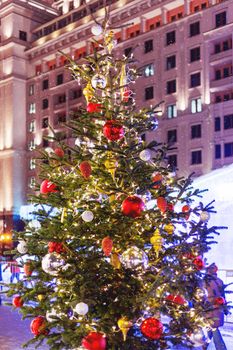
184	50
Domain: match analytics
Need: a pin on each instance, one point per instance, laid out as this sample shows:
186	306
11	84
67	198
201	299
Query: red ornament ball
113	130
157	178
47	187
94	341
186	209
107	245
199	263
17	301
59	152
132	206
38	326
85	168
170	206
27	267
219	301
177	299
93	107
152	328
162	204
56	247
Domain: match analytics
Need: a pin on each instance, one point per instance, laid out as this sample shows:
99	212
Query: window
218	74
226	97
220	19
225	45
228	121
31	126
217	124
45	142
204	5
195	79
196	105
45	84
228	149
196	131
148	46
171	111
22	35
128	51
75	94
31	145
61	118
45	103
61	98
194	28
217	48
172	136
149	70
217	151
171	62
31	90
173	18
171	38
149	93
172	160
218	99
226	72
196	157
59	79
45	123
171	86
32	164
195	54
32	108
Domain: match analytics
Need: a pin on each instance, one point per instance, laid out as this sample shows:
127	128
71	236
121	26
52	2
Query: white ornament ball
198	338
50	315
22	247
98	81
49	150
81	309
204	216
87	216
97	29
145	155
52	263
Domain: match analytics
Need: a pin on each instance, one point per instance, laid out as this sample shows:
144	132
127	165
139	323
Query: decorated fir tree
115	260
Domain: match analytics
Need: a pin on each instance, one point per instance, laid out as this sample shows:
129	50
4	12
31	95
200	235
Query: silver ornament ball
198	338
204	216
134	258
145	155
87	216
22	247
52	263
98	81
96	29
81	309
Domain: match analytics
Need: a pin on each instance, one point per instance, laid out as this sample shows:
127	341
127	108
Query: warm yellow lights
5	238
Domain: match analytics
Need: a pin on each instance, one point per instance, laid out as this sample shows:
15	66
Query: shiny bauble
28	269
198	338
34	224
53	314
162	204
204	216
132	206
52	263
169	228
87	216
81	309
199	263
152	328
40	297
157	179
93	107
94	341
219	301
134	258
85	169
115	260
113	130
124	324
200	293
56	247
17	301
107	245
145	155
59	152
186	209
97	29
38	326
47	187
98	81
49	150
22	247
177	299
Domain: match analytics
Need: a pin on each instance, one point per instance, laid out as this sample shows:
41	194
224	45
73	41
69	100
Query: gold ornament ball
40	297
169	228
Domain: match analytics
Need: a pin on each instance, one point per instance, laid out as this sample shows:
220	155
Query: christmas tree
115	259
